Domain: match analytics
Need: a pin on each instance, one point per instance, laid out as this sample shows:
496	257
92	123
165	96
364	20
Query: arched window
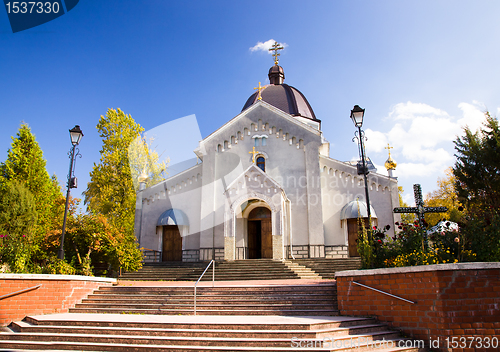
261	162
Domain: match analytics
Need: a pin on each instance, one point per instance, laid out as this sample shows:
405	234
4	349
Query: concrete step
91	332
205	311
151	340
26	327
302	271
287	300
259	269
327	268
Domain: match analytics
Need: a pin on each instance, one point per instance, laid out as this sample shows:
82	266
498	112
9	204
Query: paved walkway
290	282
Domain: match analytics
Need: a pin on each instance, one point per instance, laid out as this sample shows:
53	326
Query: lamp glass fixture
76	135
357	115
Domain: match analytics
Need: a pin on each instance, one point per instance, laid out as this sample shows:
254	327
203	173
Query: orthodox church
266	187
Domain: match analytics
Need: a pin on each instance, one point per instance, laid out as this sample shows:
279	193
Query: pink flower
457	239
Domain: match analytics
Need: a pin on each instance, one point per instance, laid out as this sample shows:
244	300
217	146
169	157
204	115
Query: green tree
25	164
125	154
477	172
477	169
18	220
111	190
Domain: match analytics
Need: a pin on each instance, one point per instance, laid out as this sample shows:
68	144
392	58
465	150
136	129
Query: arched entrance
350	215
260	240
172	225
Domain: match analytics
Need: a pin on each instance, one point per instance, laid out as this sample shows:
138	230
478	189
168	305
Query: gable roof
259	105
249	170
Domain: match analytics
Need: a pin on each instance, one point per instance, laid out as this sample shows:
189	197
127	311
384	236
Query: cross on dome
260	91
275	47
390	164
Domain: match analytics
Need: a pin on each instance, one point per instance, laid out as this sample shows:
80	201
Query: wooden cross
420	210
253	152
275	47
260	91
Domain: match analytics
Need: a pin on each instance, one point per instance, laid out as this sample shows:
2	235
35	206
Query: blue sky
421	69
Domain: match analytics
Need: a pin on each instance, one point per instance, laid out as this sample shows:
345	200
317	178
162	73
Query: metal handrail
213	280
385	293
20	291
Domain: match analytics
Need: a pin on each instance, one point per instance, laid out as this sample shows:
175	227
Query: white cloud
409	110
265	46
377	141
422	136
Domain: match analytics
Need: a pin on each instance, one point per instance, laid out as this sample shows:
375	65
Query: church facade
266	187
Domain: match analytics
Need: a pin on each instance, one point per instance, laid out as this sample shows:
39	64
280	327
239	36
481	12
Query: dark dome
283	96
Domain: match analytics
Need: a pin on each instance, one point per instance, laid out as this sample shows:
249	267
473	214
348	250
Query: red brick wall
449	303
54	296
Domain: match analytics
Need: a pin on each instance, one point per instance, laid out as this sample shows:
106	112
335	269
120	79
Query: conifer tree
477	169
25	163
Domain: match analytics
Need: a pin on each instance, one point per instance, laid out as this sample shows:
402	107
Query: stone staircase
254	269
302	271
327	268
117	332
299	300
230	318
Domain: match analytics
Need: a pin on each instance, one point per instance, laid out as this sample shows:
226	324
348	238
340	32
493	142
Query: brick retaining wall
452	300
56	294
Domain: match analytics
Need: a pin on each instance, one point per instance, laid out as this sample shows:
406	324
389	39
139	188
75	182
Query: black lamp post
76	135
357	115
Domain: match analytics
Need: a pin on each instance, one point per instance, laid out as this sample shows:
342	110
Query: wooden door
267	238
254	239
260	239
352	235
172	244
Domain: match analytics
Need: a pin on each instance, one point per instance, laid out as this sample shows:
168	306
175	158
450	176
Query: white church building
266	187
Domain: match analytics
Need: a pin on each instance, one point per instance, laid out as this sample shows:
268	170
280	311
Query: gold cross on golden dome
275	47
253	152
260	91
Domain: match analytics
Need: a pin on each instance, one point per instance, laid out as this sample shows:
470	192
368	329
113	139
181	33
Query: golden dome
390	164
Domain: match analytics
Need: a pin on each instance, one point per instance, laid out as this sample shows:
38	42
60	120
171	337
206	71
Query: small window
261	163
264	141
256	142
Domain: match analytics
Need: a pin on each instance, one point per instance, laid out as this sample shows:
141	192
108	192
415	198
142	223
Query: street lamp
75	135
357	115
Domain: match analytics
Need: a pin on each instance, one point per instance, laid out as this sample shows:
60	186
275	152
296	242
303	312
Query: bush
408	247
